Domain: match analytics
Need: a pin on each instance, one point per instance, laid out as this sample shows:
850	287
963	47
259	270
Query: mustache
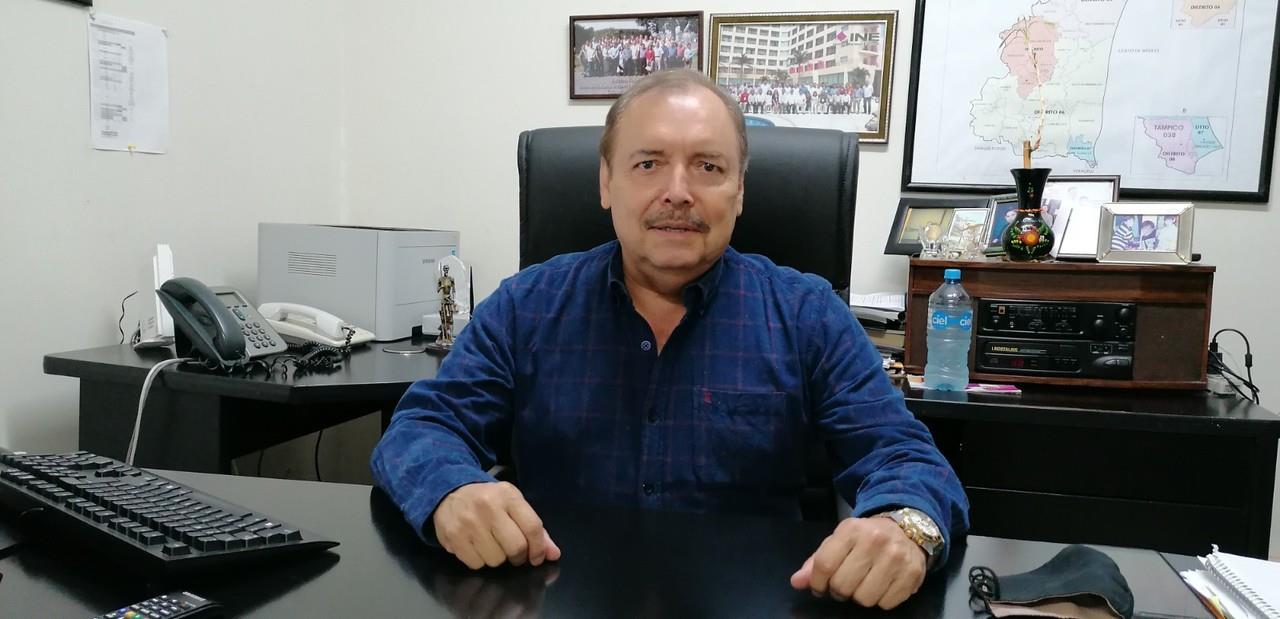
676	219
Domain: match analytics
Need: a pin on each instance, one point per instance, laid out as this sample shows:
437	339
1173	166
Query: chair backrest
797	209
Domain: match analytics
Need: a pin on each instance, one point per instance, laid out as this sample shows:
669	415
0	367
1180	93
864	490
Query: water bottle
950	321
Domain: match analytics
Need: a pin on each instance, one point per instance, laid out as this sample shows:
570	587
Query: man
665	370
1123	236
1167	234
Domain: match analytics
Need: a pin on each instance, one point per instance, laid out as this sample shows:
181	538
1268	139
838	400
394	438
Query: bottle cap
951	274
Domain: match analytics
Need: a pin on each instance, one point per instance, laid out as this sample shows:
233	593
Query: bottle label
939	319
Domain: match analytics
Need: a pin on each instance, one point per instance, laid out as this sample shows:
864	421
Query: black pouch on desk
1077	582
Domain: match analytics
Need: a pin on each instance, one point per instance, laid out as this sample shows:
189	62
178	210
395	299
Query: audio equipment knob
1100	326
1124	314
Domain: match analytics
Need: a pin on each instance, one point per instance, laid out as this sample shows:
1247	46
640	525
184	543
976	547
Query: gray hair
672	80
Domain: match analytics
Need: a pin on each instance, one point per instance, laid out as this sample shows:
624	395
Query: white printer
380	279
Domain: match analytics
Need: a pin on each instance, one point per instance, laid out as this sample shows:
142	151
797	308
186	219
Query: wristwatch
921	529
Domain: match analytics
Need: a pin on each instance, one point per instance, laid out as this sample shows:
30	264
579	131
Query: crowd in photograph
767	98
639	54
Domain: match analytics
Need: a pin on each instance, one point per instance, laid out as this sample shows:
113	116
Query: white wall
256	112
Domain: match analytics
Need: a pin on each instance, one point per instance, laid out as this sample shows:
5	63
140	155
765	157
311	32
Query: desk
616	563
1171	471
196	420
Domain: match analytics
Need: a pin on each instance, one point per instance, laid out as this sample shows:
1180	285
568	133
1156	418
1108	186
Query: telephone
308	324
217	324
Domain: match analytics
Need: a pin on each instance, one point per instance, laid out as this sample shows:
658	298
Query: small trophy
448	308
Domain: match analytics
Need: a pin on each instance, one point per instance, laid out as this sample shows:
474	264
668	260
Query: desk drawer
1150	466
1168	527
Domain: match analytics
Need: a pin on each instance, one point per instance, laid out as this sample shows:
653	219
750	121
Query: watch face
924	525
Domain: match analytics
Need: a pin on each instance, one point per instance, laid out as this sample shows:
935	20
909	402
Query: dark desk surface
371	374
616	563
1120	409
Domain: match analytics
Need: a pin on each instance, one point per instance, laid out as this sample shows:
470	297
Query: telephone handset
217	324
308	324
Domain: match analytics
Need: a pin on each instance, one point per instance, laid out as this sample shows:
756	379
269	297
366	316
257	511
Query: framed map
1176	97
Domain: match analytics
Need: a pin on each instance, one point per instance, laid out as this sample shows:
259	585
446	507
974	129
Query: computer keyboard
138	517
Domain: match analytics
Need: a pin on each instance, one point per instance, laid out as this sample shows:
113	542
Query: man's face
674	187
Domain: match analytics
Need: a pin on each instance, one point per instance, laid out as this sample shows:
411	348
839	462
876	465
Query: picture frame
816	70
1064	196
593	74
962	217
915	212
1002	210
971	106
1079	238
1146	232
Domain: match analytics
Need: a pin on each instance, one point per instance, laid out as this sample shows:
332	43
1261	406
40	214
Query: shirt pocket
747	441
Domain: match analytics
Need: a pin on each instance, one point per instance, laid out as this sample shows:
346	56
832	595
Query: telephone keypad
254	331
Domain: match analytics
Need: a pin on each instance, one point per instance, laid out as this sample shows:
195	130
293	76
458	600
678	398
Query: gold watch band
921	529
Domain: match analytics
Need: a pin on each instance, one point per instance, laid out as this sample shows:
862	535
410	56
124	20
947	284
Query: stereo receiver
1055	338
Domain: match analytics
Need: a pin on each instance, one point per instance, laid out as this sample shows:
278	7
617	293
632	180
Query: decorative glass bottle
1028	237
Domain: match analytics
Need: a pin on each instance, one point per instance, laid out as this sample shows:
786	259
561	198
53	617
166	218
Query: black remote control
176	605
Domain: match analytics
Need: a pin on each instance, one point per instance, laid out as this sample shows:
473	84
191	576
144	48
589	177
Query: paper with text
128	85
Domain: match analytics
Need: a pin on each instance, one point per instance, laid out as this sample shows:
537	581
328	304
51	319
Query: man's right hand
491	524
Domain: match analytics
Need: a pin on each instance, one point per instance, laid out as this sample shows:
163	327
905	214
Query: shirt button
648	488
646	345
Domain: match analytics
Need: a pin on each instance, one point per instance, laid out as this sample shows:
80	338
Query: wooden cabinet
1170	348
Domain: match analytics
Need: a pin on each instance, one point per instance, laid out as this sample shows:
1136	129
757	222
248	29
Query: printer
380	279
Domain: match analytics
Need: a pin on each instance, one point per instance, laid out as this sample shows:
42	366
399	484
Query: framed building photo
817	70
1003	210
914	214
609	53
1146	232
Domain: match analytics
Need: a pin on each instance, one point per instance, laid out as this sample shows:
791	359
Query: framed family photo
816	70
609	53
914	214
1146	232
1071	206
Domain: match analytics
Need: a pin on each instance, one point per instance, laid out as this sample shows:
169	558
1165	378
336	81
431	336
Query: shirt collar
697	295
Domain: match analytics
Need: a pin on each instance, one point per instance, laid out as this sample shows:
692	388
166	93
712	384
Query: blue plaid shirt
559	375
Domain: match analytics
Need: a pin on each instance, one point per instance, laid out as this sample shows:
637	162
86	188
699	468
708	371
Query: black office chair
797	210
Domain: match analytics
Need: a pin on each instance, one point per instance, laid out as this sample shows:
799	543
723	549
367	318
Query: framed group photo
816	70
609	53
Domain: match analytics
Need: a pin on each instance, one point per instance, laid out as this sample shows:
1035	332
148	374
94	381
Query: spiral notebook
1253	584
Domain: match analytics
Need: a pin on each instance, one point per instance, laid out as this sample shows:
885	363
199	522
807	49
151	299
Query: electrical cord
120	323
310	356
142	402
1216	362
319	436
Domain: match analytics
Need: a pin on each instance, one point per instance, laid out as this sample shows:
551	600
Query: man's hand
491	524
868	560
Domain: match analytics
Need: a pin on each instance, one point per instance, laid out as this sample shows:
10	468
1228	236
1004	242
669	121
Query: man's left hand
868	560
